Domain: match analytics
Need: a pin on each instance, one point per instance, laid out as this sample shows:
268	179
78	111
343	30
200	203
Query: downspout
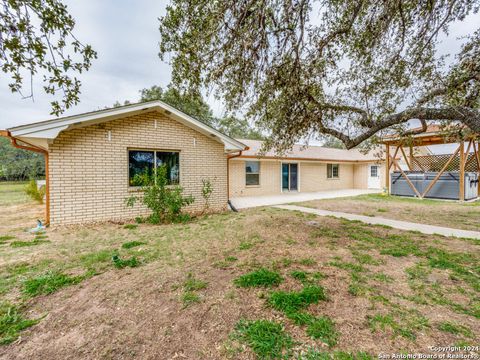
228	170
34	148
228	174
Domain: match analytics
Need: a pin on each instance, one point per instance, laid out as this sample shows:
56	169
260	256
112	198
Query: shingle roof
310	152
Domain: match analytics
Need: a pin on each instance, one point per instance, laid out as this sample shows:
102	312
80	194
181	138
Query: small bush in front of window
166	202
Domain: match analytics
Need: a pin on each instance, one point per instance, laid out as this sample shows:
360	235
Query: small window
252	173
373	171
141	161
333	171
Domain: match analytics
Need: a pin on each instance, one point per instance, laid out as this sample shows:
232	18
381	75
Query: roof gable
49	129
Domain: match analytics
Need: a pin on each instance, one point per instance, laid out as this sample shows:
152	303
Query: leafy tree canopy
18	164
348	69
332	142
237	128
194	105
37	37
190	103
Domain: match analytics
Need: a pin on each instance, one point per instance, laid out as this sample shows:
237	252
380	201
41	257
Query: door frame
281	174
369	173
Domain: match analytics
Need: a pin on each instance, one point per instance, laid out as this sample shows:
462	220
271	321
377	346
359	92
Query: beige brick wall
269	178
361	176
89	172
312	177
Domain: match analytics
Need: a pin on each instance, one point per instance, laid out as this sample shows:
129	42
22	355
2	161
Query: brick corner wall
89	168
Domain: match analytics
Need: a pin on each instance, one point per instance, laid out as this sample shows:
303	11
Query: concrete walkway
402	225
286	198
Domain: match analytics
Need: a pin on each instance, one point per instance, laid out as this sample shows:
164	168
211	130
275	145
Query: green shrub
261	277
49	283
207	190
165	202
32	190
11	323
267	339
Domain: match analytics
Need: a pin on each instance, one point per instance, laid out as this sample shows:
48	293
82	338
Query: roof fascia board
307	159
52	128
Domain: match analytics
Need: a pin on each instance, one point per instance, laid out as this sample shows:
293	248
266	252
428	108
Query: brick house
92	158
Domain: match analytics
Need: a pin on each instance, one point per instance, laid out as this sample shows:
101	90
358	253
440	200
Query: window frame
154	150
377	172
330	171
252	173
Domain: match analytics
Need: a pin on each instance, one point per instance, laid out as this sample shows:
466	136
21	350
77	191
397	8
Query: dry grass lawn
385	290
428	211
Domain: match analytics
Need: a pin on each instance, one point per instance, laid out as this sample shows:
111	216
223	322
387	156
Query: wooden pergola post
409	162
412	158
462	171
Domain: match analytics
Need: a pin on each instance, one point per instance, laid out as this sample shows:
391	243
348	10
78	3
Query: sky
125	35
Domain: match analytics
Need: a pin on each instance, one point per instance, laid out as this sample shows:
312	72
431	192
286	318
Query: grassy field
262	283
12	193
427	211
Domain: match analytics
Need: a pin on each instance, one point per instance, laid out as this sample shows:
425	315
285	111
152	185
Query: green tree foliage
237	128
332	142
190	103
18	164
37	37
194	105
349	69
165	201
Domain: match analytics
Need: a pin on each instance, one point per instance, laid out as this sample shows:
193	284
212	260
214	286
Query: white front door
373	176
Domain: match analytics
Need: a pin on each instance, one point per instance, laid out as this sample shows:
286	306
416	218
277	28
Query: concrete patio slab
402	225
286	198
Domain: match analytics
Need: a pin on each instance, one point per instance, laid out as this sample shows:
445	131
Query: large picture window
141	161
333	171
252	173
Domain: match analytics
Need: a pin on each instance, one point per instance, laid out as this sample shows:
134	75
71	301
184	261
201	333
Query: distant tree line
194	105
18	164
